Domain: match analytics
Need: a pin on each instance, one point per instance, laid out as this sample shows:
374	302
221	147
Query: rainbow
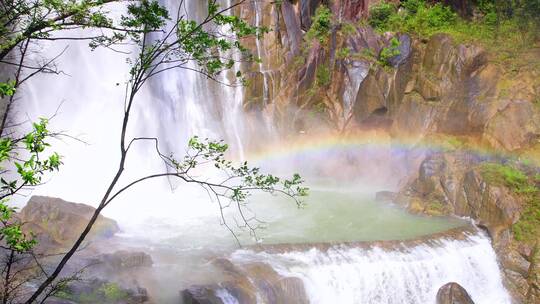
306	144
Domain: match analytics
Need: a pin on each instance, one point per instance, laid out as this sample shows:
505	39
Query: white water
409	275
173	107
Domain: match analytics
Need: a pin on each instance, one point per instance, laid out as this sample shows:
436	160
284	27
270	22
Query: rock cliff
432	86
499	195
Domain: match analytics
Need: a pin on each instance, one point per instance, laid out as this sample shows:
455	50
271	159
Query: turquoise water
335	215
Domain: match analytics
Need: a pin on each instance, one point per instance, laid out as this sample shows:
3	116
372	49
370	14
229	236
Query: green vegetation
389	52
321	25
436	208
112	292
7	89
418	18
29	172
380	14
507	32
323	76
104	293
527	229
506	175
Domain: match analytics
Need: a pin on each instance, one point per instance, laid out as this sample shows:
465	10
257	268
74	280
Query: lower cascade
399	272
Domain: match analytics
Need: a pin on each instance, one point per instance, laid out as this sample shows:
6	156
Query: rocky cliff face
474	187
434	86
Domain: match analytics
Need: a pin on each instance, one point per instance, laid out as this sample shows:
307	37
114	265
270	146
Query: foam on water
344	274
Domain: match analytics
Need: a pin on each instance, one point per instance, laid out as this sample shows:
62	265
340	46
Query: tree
213	44
30	159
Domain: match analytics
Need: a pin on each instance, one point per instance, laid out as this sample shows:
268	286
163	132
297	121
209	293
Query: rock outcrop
453	293
248	283
433	86
460	183
120	261
57	223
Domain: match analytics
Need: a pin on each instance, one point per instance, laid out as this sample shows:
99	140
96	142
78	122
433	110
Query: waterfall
172	106
401	274
196	105
260	53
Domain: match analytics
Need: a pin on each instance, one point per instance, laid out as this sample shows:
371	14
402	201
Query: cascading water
173	107
402	274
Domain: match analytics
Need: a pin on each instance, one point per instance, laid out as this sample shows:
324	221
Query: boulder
248	283
119	261
58	223
201	295
453	293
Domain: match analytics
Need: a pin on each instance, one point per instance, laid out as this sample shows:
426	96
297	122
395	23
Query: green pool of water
342	215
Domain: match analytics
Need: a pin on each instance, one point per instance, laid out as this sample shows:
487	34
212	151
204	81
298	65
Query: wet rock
306	76
292	24
370	97
200	295
58	223
254	92
353	9
453	293
307	10
405	49
248	283
119	261
453	183
99	291
533	276
516	284
415	118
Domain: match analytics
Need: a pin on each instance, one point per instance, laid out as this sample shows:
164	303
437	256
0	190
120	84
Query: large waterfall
88	98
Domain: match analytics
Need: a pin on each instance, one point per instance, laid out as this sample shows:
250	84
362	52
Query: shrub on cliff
421	18
527	228
321	25
389	52
380	14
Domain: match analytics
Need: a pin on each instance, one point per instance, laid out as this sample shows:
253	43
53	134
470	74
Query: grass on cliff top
527	228
508	41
